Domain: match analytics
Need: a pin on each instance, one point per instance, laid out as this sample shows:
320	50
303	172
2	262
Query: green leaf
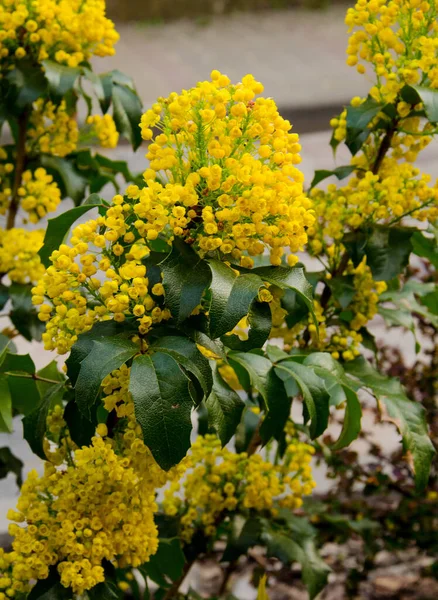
24	391
23	314
343	290
298	548
4	295
127	113
224	409
58	228
315	394
429	98
339	172
231	297
245	534
80	428
186	354
408	416
387	250
359	117
10	464
105	356
60	77
290	278
107	590
84	345
35	423
163	405
185	277
5	407
426	247
103	87
270	387
260	324
50	588
72	182
167	565
28	83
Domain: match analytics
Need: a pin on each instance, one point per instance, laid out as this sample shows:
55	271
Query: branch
19	169
33	376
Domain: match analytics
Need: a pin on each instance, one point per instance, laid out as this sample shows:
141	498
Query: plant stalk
19	169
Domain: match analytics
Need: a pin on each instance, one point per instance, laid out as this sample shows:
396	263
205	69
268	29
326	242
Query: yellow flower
19	254
105	129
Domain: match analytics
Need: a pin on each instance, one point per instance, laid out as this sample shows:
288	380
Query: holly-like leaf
35	423
343	289
28	83
339	172
61	78
408	416
301	548
186	354
387	250
80	428
105	356
163	404
58	228
231	297
5	407
4	295
23	314
260	324
427	96
10	464
315	394
49	588
167	565
290	278
185	277
269	385
426	247
71	181
224	409
24	391
127	113
244	534
341	389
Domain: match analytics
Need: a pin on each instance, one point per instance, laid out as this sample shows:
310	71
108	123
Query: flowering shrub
184	294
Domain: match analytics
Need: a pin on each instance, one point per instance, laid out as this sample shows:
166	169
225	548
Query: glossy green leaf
429	98
290	278
23	314
24	390
49	588
290	548
185	277
4	295
244	534
265	380
61	78
5	407
315	394
387	250
28	83
80	428
224	409
259	323
186	354
35	423
72	182
127	113
167	565
105	356
163	405
339	173
58	228
343	289
231	297
426	247
10	464
408	416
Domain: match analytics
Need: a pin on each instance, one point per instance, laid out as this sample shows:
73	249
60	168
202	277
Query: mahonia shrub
183	306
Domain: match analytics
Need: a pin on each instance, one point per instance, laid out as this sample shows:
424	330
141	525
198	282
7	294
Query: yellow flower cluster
398	189
366	298
78	298
92	504
219	481
19	254
52	130
67	31
399	39
105	129
6	173
39	194
222	172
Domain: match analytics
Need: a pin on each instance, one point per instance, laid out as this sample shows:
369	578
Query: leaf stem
19	169
33	376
